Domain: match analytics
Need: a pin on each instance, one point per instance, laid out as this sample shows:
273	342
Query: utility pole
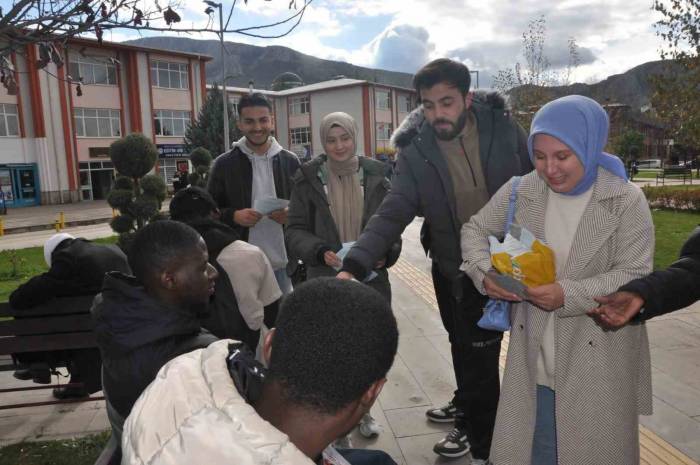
224	94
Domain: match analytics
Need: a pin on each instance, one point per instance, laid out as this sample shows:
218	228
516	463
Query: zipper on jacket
464	151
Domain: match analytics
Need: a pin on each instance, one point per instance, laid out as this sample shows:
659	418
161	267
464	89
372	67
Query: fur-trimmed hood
413	122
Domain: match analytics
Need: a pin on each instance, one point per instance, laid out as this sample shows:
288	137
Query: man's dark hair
255	99
333	339
443	70
192	203
157	244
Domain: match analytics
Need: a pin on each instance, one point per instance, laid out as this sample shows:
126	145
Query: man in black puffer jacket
144	321
455	152
663	291
77	267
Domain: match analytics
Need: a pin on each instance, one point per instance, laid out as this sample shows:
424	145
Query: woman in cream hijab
334	196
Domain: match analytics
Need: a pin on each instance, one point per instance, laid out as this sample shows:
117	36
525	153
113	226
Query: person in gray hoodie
257	167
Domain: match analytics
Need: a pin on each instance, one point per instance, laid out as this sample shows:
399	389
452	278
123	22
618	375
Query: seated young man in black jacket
145	320
247	293
76	268
661	292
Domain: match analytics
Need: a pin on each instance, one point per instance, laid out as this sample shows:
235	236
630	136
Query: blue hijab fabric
582	124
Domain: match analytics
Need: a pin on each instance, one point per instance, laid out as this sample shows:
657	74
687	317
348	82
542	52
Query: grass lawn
651	174
672	230
30	263
81	451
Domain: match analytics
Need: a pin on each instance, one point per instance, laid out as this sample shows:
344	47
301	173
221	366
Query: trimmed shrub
673	199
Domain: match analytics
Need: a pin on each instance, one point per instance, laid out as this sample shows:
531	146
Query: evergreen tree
207	130
201	161
137	195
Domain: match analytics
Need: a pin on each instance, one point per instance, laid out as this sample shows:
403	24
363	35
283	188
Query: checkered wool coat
603	378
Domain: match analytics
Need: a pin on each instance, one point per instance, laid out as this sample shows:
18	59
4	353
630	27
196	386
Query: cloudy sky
613	35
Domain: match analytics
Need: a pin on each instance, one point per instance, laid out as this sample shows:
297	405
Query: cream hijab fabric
344	190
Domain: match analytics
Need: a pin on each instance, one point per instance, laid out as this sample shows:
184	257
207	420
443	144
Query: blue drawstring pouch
496	315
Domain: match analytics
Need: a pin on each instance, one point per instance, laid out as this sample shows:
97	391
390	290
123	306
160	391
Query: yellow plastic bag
523	257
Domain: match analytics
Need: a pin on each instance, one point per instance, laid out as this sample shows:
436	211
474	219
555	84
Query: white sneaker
369	427
343	442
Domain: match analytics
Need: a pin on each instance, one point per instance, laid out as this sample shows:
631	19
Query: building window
171	122
383	131
299	105
169	75
383	99
9	121
93	72
234	100
404	103
301	136
93	122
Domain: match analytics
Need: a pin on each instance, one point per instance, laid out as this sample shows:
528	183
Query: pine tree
207	130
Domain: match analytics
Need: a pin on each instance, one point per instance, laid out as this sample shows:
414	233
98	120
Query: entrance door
102	183
26	186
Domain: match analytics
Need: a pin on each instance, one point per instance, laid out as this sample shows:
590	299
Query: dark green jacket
311	230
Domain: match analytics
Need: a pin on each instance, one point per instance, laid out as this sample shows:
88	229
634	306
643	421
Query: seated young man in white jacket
328	357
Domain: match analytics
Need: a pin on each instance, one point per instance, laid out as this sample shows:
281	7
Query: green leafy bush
673	199
137	195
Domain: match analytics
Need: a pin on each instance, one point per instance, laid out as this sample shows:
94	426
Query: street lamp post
227	142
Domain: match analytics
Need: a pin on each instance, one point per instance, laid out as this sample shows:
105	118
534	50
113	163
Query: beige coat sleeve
252	279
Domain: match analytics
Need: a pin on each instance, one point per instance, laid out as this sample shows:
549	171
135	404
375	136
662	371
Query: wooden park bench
674	172
60	324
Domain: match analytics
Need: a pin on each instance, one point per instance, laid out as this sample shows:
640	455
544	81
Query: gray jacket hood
411	125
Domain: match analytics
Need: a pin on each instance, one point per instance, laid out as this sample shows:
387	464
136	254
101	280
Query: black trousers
475	353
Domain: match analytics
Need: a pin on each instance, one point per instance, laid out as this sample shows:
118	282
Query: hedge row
673	199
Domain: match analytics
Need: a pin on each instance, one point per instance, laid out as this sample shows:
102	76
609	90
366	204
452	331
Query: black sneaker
70	392
444	414
455	444
23	373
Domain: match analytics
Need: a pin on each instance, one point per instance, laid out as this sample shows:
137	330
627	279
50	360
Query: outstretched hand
616	309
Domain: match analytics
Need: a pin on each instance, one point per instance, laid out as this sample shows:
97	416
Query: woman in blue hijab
572	392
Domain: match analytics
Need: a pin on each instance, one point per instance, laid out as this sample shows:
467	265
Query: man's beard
456	127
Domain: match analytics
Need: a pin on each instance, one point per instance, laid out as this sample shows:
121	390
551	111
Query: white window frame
299	105
404	103
234	100
86	72
9	114
181	69
171	117
381	102
383	135
102	117
300	136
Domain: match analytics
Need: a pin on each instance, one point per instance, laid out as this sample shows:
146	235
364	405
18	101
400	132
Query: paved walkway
19	220
422	377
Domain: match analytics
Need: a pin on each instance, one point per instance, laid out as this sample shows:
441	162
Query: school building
55	131
377	108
